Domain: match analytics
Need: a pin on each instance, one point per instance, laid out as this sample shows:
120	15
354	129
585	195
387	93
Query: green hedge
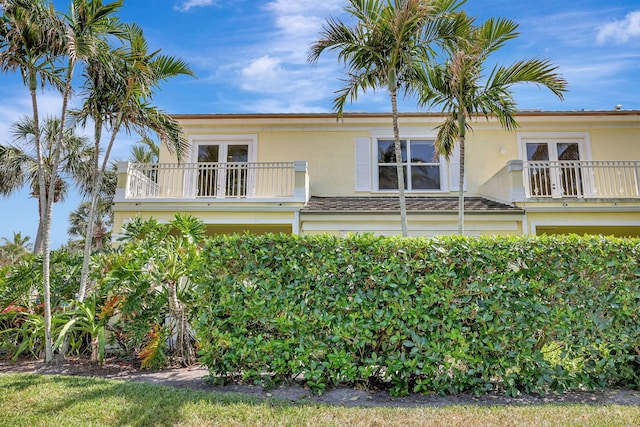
443	315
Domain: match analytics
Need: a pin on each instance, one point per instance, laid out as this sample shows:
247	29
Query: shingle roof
346	205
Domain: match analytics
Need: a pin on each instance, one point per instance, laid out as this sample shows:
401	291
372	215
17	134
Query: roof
436	205
371	115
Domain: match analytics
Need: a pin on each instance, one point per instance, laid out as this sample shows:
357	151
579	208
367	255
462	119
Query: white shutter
454	169
363	164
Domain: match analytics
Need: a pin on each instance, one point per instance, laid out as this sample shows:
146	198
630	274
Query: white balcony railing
582	179
279	180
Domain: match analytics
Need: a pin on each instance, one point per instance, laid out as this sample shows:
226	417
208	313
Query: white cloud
297	7
262	74
622	30
280	76
190	4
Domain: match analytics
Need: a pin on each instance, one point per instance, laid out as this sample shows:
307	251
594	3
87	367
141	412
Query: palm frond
447	137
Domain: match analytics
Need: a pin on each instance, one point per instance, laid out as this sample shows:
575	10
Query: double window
420	162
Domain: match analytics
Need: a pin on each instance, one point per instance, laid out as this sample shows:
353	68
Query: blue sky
250	57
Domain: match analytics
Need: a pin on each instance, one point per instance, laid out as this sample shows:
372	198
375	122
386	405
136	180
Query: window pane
388	178
568	151
208	153
423	151
387	153
537	151
425	177
237	153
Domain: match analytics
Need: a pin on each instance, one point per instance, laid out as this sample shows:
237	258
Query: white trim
552	139
406	132
443	164
584	137
295	225
211	139
223	141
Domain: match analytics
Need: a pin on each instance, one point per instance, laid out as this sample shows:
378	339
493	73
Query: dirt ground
195	378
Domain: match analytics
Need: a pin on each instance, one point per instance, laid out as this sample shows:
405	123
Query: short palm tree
19	163
103	221
13	250
384	50
145	151
460	87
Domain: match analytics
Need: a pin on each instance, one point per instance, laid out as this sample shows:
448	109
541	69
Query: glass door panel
222	170
558	172
539	173
236	170
570	173
207	184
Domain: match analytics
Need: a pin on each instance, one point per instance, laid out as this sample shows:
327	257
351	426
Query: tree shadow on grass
120	403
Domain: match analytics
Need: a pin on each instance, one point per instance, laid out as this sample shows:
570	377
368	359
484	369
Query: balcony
581	179
520	181
273	181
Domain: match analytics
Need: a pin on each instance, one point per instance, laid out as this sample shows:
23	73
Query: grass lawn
37	400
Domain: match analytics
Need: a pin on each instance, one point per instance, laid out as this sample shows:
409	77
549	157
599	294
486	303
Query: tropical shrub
444	315
21	311
151	274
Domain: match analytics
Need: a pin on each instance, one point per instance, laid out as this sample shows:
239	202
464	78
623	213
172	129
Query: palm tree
119	84
35	40
103	221
145	151
461	89
15	249
385	49
19	163
31	41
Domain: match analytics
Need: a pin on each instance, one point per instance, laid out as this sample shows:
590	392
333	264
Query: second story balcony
575	179
237	181
539	180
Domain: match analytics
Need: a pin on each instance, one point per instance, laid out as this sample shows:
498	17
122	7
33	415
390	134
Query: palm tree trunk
37	245
399	166
57	149
43	226
95	191
88	241
461	188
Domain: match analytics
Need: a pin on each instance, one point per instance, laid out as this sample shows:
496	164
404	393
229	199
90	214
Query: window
420	162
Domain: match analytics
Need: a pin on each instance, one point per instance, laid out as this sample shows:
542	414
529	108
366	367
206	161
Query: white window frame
223	140
443	164
583	140
195	141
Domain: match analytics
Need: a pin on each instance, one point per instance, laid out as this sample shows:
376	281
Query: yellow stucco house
560	172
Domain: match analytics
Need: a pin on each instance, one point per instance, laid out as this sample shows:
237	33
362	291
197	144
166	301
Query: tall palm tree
384	50
19	163
35	40
459	86
119	84
31	41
